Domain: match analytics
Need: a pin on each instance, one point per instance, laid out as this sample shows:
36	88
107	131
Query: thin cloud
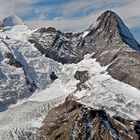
14	7
68	19
73	24
79	5
82	22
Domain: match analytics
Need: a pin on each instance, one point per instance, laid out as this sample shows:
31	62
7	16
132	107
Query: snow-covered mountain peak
12	21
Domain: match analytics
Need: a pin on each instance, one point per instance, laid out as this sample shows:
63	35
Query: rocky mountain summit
92	77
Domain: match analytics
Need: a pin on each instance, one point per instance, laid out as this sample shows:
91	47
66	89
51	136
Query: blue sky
71	15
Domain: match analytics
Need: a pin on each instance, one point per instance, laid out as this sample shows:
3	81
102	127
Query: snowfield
106	93
21	120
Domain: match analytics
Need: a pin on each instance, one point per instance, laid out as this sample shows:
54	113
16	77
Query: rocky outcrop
53	76
12	60
73	120
82	76
57	45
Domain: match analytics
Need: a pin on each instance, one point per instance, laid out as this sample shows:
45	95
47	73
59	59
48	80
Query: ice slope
21	121
17	32
104	92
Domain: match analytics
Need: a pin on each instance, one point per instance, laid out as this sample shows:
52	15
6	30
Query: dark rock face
73	120
126	68
53	76
1	24
137	128
59	46
2	107
83	77
12	60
